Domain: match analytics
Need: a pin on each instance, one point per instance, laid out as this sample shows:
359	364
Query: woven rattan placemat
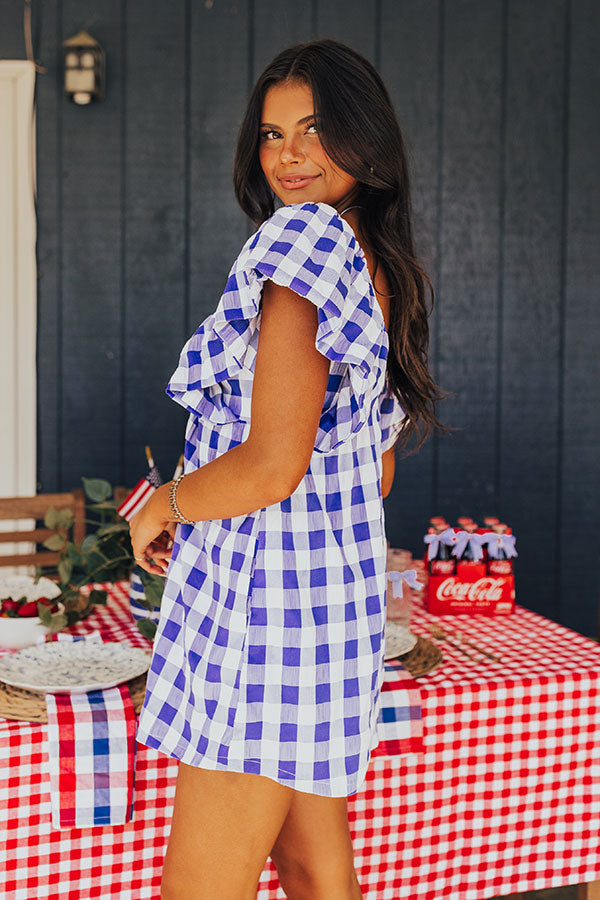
19	703
422	659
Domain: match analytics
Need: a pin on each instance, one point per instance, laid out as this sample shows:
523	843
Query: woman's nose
291	150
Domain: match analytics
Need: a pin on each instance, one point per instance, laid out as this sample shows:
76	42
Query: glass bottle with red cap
443	563
499	563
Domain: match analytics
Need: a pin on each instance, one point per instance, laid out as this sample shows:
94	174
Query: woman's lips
291	184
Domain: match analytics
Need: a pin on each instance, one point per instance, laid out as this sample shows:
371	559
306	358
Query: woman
268	658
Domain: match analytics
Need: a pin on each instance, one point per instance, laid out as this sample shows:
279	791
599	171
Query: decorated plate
73	666
398	640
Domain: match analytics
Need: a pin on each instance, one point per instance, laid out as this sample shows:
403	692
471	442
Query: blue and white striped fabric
268	657
137	594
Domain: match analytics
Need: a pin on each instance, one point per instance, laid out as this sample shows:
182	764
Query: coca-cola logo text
486	589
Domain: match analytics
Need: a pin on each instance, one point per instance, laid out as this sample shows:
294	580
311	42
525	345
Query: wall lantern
84	69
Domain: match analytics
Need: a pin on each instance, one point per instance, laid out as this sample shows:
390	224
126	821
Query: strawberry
28	609
46	601
8	604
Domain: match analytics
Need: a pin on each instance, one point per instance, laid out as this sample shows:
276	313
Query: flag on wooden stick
145	487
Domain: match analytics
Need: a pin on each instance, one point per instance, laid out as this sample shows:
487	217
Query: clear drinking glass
398	560
399	609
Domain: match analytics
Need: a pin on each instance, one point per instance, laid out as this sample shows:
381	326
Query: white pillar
18	293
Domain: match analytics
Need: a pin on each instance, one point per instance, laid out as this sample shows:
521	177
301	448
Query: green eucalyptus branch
89	576
105	554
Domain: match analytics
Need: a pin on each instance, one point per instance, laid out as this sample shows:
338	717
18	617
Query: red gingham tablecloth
505	798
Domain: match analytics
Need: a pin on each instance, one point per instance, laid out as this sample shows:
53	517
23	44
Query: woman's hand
151	539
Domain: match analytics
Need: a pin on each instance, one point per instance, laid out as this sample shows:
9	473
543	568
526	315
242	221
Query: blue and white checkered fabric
392	417
138	594
268	657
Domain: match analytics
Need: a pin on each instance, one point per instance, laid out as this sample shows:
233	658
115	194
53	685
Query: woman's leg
224	826
313	853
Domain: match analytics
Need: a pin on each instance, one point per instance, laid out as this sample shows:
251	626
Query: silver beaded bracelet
173	502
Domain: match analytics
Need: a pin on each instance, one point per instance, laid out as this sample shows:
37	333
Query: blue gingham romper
268	656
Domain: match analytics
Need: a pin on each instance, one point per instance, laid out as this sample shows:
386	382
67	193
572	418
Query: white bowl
23	631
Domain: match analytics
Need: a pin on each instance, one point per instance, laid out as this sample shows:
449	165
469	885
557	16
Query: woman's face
289	147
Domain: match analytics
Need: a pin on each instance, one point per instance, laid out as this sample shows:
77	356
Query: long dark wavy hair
359	131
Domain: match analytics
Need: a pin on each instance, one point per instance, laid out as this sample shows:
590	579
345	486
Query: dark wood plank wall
138	227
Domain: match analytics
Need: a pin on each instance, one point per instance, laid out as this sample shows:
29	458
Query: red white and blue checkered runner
92	754
400	713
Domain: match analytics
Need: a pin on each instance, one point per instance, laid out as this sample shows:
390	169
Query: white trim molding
18	283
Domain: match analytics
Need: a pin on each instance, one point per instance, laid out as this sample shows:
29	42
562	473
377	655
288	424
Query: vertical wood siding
138	227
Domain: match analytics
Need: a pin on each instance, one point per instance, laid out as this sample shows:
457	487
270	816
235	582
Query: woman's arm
290	380
388	461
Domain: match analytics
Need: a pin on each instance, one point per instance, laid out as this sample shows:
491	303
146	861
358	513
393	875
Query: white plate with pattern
398	640
73	667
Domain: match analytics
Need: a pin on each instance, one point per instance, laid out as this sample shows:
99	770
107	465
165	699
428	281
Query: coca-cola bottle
486	529
471	528
463	521
468	563
499	563
443	563
437	520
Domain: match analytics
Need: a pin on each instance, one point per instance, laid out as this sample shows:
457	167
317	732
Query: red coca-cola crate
471	590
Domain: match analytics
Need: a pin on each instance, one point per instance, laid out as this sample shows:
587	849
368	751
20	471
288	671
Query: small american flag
134	501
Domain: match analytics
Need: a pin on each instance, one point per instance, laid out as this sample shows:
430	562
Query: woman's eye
265	134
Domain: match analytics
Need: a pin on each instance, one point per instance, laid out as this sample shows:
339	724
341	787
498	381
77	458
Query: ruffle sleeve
309	248
392	416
